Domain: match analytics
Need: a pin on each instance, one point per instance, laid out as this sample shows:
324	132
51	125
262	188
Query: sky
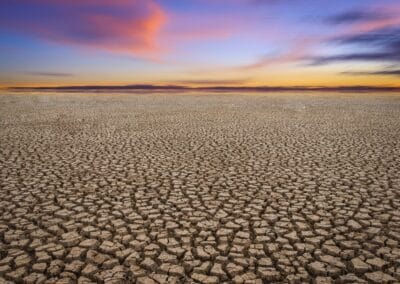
200	42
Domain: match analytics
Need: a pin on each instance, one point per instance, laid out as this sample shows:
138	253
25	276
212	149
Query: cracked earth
164	188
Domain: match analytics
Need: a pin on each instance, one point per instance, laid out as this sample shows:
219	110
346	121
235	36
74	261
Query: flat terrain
195	188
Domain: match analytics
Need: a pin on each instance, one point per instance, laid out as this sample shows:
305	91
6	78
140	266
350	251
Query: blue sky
243	42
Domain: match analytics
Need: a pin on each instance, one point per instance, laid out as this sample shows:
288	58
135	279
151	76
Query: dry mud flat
199	189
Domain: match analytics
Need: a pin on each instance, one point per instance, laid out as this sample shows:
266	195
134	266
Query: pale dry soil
186	188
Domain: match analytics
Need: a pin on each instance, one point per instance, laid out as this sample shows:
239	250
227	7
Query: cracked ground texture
186	188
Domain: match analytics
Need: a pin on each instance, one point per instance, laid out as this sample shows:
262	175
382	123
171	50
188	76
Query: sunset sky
200	42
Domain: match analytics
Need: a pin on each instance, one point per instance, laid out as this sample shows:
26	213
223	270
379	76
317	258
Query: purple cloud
129	26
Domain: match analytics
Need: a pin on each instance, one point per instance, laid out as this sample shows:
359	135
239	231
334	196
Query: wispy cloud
394	72
373	33
129	26
384	45
49	74
356	16
301	48
376	29
221	82
253	2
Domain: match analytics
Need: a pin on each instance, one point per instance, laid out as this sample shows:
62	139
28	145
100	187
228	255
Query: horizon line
364	88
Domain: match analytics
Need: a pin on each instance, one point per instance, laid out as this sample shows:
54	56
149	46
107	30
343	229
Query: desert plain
199	188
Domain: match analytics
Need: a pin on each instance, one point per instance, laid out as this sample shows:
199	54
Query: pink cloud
300	49
303	48
389	18
128	26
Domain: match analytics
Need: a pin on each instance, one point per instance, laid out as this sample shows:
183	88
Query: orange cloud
129	26
137	35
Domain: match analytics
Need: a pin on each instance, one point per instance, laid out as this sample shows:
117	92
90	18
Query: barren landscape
197	188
